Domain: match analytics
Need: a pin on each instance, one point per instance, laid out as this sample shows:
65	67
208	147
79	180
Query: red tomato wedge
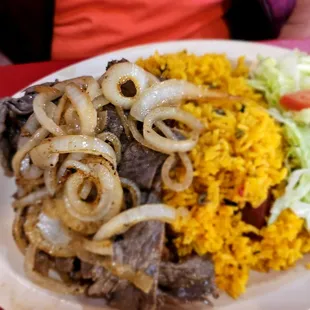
296	101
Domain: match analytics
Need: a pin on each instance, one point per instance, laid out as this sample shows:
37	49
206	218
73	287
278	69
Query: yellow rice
239	157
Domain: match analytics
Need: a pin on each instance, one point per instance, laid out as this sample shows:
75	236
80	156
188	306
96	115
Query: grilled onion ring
133	190
82	104
31	199
32	125
18	230
119	74
28	171
38	136
170	162
167	93
36	225
166	145
41	155
109	194
39	104
50	180
188	178
104	248
137	135
83	228
122	222
112	138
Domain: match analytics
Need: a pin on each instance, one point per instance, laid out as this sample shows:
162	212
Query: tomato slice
296	101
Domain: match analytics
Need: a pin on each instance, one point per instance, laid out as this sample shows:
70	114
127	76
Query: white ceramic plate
289	290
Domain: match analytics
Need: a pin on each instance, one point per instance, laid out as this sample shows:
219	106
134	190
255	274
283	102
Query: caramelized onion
122	222
170	162
28	171
45	89
102	121
25	187
167	93
89	257
166	145
83	228
100	102
31	125
137	135
65	165
98	247
32	198
119	74
81	81
167	167
60	108
133	190
38	136
81	102
93	89
88	211
18	231
109	195
140	279
46	122
46	282
112	138
41	155
75	164
86	189
72	120
124	120
50	180
47	234
50	109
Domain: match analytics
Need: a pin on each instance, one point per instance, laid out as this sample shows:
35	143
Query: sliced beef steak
191	280
140	248
42	263
166	301
145	239
13	115
64	264
114	62
85	271
105	283
114	123
88	271
140	164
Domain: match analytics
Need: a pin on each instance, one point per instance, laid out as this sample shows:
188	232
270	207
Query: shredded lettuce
276	77
297	136
296	197
301	117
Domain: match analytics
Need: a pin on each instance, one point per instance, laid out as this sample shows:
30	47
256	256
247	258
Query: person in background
40	30
298	25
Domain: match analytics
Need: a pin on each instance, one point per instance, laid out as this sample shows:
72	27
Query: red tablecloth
16	77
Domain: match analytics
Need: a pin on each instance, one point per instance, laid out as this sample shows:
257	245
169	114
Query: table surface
16	77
